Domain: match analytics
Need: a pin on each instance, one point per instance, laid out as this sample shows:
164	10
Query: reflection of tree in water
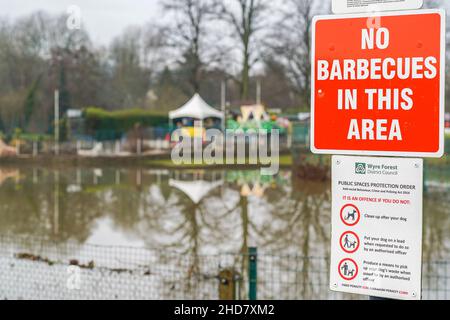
126	200
436	234
436	238
299	229
285	220
173	222
27	208
291	219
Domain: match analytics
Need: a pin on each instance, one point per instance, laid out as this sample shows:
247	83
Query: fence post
139	146
117	146
227	284
252	273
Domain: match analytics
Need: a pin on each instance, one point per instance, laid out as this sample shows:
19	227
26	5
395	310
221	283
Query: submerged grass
284	160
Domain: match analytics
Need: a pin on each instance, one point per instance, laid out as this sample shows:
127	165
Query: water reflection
195	214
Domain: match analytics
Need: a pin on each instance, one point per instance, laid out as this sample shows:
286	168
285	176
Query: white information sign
376	237
358	6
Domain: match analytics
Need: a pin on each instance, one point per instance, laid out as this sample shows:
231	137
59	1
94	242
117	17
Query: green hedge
121	121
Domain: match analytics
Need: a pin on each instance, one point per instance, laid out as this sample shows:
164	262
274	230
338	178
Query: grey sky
104	19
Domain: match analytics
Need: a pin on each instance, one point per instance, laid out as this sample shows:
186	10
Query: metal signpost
378	83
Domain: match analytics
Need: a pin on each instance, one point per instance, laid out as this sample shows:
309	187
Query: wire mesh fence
33	268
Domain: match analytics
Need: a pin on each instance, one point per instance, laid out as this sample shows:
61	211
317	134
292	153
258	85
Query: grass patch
285	160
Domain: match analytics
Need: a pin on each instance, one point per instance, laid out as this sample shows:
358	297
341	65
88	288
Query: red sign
378	84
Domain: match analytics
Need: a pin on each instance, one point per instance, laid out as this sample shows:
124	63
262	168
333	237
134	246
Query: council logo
360	168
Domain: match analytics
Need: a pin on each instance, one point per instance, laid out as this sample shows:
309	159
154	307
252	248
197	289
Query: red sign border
437	154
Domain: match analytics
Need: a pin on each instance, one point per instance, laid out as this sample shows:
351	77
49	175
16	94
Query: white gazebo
196	108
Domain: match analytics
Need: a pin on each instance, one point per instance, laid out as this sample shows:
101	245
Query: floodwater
159	234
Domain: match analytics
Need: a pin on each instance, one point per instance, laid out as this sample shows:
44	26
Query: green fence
300	134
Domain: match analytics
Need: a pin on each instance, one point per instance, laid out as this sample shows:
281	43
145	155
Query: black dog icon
351	216
346	270
352	245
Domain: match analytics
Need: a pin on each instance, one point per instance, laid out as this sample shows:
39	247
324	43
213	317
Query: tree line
195	47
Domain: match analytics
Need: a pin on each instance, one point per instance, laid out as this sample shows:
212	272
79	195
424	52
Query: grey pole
56	122
258	92
223	99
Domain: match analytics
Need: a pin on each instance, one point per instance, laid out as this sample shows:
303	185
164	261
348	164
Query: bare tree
246	18
188	33
38	53
291	44
136	57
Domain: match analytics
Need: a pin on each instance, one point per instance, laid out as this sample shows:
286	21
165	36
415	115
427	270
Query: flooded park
235	150
139	233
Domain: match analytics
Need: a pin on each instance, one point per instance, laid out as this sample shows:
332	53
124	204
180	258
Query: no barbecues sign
378	84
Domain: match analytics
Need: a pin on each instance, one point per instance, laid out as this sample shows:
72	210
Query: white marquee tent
196	108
